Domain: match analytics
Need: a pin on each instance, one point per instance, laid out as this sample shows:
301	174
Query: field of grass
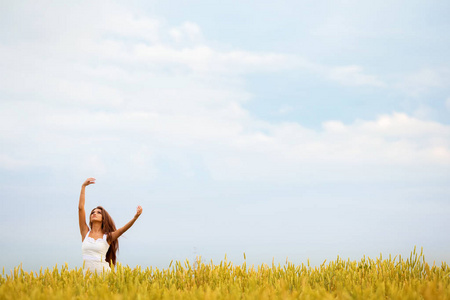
380	278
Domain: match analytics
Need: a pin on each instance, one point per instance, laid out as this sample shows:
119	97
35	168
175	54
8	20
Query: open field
380	278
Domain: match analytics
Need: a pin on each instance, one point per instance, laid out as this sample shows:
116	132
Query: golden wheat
381	278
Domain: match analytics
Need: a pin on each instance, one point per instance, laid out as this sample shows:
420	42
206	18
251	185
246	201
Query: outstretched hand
89	181
138	211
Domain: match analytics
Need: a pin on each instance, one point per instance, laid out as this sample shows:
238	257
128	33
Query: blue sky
298	129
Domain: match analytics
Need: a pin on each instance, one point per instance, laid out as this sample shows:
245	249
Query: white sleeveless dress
94	253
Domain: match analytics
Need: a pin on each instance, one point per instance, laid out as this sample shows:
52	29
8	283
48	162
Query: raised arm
115	235
81	212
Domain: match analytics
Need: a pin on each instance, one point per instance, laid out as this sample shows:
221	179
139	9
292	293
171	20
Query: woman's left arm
115	235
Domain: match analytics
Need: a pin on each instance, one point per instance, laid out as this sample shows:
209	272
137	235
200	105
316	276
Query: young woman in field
99	240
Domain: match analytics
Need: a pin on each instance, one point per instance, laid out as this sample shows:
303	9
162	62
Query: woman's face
96	215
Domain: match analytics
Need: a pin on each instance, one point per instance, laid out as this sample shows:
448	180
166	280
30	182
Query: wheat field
380	278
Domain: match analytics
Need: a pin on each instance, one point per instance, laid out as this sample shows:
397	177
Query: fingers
89	181
139	210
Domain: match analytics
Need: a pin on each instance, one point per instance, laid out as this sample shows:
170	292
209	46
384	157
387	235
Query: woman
99	243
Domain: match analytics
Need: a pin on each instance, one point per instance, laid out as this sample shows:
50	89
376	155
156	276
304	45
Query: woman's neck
96	228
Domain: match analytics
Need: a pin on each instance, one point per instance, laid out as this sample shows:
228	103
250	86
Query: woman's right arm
81	212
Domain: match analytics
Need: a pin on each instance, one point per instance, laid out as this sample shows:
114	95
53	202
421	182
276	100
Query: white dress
94	253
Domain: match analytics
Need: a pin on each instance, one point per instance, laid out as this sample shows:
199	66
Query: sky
285	130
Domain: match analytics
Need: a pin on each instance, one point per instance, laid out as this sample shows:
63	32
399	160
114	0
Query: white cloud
107	48
238	148
187	32
129	25
334	126
402	125
113	92
364	150
204	59
353	76
421	81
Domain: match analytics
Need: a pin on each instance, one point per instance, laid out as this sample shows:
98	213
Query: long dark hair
108	227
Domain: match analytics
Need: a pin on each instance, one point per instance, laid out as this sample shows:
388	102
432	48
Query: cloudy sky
282	129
